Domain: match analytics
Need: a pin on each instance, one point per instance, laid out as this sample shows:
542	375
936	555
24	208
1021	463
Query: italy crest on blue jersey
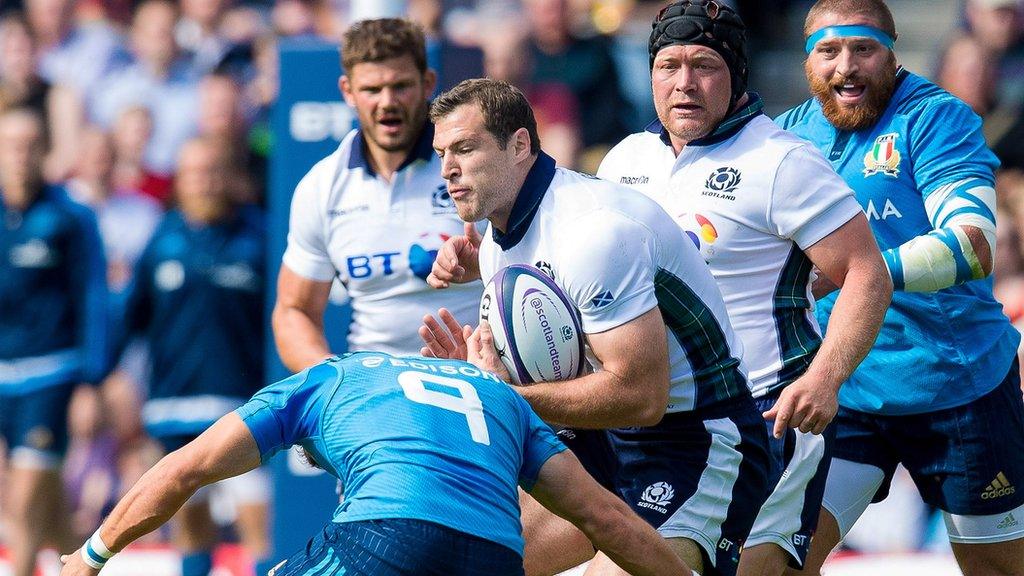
936	349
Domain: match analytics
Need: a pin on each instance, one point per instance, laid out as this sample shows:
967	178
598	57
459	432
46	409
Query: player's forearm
151	502
599	400
853	324
632	544
300	340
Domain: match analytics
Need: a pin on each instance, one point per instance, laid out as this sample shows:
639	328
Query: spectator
131	135
161	78
198	32
999	26
197	298
585	65
221	117
967	71
77	55
452	62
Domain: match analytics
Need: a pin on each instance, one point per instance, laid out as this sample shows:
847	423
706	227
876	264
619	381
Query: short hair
875	9
504	108
383	39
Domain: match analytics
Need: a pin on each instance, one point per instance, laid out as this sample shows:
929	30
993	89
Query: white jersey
618	255
380	240
752	201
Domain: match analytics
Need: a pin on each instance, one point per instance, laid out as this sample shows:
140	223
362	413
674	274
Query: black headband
705	23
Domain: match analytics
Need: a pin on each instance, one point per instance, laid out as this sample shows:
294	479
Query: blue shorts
36	423
967	460
701	476
400	547
797	473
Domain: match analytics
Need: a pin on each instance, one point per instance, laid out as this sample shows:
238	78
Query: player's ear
429	82
345	86
521	144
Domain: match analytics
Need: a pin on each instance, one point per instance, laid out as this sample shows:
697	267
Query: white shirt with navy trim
752	203
617	255
380	240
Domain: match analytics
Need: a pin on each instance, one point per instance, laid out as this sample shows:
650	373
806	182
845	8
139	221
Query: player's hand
822	286
484	355
444	341
458	260
73	565
806	404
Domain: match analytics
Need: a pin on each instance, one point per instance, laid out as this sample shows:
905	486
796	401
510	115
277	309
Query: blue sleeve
89	279
286	412
947	145
540	444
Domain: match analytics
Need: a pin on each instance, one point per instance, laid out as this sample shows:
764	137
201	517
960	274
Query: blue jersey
53	294
938	349
416	438
197	297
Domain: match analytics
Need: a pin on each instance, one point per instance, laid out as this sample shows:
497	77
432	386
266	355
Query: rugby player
939	392
763	207
430	453
668	423
374	213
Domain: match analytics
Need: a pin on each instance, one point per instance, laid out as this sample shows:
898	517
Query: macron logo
603	299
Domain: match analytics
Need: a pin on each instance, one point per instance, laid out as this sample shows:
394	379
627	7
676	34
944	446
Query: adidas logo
1007	522
998	488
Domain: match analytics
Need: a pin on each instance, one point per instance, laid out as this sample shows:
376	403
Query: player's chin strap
94	552
945	256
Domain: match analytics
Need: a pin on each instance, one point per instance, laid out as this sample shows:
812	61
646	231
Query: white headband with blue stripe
849	31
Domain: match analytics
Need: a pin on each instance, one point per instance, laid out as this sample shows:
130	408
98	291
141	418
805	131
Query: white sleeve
607	269
306	254
610	166
809	200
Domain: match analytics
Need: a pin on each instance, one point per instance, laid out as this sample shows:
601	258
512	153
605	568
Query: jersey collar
423	149
527	202
725	130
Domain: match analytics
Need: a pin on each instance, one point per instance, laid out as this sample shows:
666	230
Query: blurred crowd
124	84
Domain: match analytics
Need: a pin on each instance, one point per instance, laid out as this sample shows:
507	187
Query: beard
878	92
412	126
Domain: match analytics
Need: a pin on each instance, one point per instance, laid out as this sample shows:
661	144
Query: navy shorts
701	476
37	422
967	460
400	547
797	472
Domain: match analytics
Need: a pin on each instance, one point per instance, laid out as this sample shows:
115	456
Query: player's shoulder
580	198
320	178
917	96
799	115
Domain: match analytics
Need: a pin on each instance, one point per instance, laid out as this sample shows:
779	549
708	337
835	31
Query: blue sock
196	564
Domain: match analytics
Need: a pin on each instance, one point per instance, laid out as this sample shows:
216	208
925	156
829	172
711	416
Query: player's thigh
699	477
799	466
553	544
991	559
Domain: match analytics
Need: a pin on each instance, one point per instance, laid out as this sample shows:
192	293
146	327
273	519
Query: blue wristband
849	31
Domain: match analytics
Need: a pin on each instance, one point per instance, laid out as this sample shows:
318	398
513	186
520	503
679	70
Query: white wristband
94	552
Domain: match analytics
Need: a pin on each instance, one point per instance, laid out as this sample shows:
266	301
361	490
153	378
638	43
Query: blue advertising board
308	121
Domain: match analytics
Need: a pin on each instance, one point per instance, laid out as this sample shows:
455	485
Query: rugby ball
536	327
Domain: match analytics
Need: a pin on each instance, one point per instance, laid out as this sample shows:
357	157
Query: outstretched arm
565	488
226	449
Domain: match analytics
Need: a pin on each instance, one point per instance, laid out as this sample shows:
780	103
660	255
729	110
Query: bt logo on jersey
421	257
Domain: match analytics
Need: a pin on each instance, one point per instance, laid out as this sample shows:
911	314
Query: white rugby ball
536	327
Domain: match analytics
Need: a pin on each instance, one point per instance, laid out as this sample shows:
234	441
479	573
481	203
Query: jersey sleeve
610	276
610	166
306	253
809	200
540	445
947	145
286	412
